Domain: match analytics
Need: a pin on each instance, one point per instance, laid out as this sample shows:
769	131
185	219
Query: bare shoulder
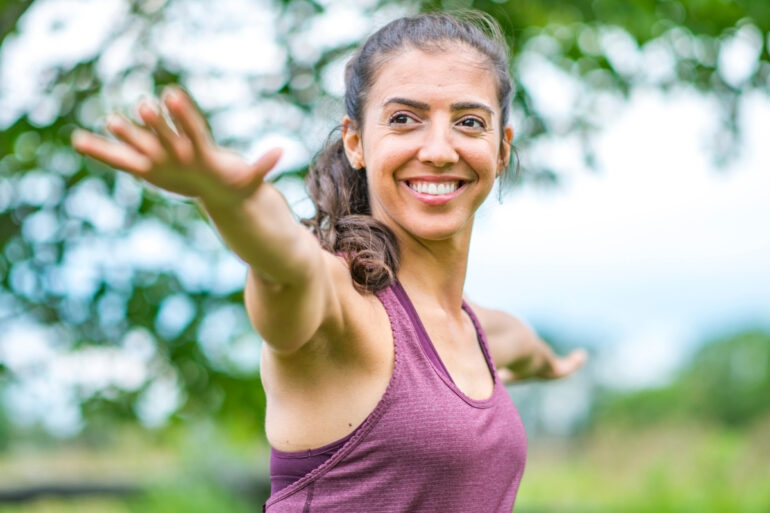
351	333
338	377
361	323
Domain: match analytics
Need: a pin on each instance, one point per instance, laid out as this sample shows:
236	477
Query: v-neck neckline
429	349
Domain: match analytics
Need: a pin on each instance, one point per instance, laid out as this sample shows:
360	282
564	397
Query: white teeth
435	189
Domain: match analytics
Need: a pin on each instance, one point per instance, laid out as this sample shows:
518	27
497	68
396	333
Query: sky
639	260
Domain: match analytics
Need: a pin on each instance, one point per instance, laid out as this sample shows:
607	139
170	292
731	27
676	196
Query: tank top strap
419	329
482	337
403	327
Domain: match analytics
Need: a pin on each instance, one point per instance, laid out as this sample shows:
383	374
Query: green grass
667	469
100	505
188	498
193	498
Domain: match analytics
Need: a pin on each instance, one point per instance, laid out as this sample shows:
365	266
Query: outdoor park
636	228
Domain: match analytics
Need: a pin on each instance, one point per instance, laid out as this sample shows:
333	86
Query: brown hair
343	222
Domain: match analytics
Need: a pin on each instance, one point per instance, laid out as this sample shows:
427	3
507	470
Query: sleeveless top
425	447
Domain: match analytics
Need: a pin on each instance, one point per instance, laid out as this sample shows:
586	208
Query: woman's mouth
434	188
434	192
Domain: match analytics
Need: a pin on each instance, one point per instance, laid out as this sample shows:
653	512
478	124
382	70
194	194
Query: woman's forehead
456	71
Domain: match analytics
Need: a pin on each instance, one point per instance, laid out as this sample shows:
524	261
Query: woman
382	394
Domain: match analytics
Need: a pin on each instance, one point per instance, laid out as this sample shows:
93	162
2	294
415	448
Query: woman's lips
434	190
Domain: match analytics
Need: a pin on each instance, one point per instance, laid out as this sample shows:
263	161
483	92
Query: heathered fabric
287	467
426	447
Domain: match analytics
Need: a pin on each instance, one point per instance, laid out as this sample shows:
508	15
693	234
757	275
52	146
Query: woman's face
430	141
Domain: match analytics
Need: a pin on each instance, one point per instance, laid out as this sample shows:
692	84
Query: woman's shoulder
360	320
345	353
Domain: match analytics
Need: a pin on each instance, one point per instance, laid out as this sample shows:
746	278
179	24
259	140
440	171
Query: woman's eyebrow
469	105
406	101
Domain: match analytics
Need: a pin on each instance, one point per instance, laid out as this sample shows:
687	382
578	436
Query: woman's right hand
182	159
289	290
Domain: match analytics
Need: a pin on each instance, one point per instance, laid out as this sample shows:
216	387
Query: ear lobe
351	141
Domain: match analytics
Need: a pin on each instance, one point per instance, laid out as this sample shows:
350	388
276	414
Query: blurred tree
98	260
712	46
727	382
5	429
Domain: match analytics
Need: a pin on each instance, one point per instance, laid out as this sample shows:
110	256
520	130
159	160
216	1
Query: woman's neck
434	271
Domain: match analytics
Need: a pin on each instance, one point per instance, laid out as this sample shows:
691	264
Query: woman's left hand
551	367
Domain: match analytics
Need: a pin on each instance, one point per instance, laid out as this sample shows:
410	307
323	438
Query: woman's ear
351	140
505	149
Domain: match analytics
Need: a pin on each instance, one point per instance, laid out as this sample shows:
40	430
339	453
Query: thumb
265	163
506	375
570	363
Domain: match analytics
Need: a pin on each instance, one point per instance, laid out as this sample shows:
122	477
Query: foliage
5	431
727	381
73	234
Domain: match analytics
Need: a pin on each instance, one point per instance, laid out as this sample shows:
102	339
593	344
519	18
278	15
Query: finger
506	375
113	153
141	139
265	163
177	145
184	111
565	366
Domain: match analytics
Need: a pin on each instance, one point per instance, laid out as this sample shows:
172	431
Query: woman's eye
401	119
474	123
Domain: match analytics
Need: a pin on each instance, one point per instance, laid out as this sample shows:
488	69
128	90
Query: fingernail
147	105
77	136
113	121
170	93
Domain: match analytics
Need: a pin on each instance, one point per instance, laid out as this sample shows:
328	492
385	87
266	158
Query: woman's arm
519	353
288	291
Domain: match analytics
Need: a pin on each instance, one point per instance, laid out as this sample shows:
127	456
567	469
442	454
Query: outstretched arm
520	353
288	292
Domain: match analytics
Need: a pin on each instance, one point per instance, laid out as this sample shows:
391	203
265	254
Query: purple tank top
425	447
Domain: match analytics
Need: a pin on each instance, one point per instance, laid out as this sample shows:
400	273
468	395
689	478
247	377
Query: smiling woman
432	124
367	333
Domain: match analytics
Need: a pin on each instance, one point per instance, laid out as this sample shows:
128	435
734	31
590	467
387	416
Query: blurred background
637	228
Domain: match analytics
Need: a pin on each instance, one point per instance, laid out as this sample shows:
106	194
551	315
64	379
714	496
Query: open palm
180	156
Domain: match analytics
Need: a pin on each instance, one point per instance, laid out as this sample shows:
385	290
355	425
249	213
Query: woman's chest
455	349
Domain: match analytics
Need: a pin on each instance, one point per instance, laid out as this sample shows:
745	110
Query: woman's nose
437	148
